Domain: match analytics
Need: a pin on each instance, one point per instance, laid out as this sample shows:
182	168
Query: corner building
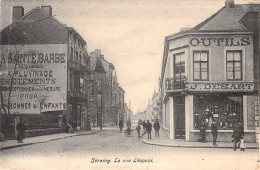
53	71
211	72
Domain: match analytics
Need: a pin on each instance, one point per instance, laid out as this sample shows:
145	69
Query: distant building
112	94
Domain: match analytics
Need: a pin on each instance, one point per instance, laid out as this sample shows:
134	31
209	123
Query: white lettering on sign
220	86
38	76
227	41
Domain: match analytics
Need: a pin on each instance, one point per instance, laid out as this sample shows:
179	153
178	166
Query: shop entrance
179	117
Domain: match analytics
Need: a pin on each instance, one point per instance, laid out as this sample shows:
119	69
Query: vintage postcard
129	84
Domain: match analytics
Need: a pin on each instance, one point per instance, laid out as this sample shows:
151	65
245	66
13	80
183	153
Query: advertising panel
36	76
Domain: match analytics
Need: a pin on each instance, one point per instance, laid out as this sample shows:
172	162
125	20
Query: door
179	117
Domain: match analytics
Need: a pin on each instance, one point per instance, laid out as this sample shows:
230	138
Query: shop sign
221	41
242	86
39	77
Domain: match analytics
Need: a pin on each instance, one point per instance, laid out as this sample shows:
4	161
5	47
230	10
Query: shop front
227	106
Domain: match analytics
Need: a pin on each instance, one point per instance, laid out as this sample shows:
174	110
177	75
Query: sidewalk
163	140
43	139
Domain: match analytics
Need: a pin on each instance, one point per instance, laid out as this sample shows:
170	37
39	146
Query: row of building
211	72
49	78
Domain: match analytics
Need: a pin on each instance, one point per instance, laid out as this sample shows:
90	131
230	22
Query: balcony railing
174	83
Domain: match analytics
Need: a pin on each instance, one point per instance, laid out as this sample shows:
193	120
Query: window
179	65
77	81
227	110
234	65
91	88
71	53
99	83
179	71
80	58
200	65
76	56
71	81
81	85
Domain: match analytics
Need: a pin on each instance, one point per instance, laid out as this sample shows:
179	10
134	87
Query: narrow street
111	149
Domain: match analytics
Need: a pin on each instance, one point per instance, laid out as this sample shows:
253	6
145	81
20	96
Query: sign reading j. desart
38	73
227	86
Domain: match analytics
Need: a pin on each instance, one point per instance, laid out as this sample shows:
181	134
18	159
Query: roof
99	66
225	19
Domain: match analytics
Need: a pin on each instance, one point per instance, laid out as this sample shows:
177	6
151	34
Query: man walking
214	128
148	129
237	134
156	127
121	124
20	127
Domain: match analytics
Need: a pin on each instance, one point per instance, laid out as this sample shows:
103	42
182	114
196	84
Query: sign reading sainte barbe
40	80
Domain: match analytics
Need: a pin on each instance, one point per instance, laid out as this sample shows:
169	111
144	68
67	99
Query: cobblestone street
112	149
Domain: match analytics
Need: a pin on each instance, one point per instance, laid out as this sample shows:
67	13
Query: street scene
111	146
129	84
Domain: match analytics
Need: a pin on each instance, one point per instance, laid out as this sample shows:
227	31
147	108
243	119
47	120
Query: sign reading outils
220	41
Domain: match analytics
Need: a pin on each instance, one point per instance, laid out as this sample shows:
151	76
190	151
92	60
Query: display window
227	110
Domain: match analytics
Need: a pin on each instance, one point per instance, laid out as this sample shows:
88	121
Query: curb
192	146
26	144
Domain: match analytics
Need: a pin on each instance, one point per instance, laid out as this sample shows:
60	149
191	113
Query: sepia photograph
129	84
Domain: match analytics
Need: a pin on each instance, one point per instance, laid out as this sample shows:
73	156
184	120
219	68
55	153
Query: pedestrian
121	124
144	125
20	127
138	128
214	128
242	144
148	127
128	123
203	127
156	127
238	132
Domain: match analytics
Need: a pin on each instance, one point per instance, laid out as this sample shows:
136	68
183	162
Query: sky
130	33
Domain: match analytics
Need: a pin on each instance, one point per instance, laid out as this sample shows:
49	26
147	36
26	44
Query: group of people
147	127
238	134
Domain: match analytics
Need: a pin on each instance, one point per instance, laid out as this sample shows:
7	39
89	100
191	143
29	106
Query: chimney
47	10
98	52
18	12
229	3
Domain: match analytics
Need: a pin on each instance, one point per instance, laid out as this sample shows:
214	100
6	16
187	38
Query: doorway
179	117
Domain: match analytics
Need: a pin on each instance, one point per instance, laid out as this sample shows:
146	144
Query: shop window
227	110
234	65
200	65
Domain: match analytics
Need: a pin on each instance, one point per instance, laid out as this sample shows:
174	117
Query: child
242	144
138	129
